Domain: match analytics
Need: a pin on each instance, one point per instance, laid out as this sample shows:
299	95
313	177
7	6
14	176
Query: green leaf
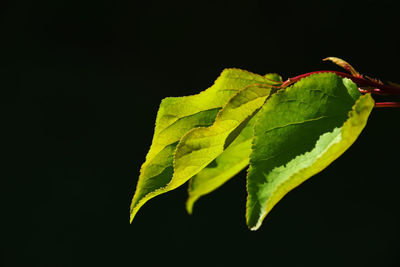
300	131
234	157
175	117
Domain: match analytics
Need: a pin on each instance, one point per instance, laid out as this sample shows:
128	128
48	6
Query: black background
81	82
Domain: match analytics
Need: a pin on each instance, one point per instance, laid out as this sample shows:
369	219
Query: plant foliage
284	134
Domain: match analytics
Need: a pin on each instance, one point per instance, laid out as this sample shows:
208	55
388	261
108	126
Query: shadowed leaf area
300	131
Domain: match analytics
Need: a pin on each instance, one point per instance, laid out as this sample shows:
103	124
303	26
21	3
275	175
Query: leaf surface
235	156
175	117
202	145
300	131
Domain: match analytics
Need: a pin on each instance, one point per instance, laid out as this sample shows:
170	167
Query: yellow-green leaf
202	145
176	116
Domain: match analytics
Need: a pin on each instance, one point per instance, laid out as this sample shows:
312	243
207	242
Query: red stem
360	81
387	105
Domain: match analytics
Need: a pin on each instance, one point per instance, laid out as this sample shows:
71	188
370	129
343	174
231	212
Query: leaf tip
254	227
135	206
190	203
254	223
132	214
343	64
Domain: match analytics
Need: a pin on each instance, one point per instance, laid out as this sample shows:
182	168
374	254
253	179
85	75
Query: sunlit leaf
176	116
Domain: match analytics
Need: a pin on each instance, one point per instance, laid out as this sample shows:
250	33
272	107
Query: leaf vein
298	122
